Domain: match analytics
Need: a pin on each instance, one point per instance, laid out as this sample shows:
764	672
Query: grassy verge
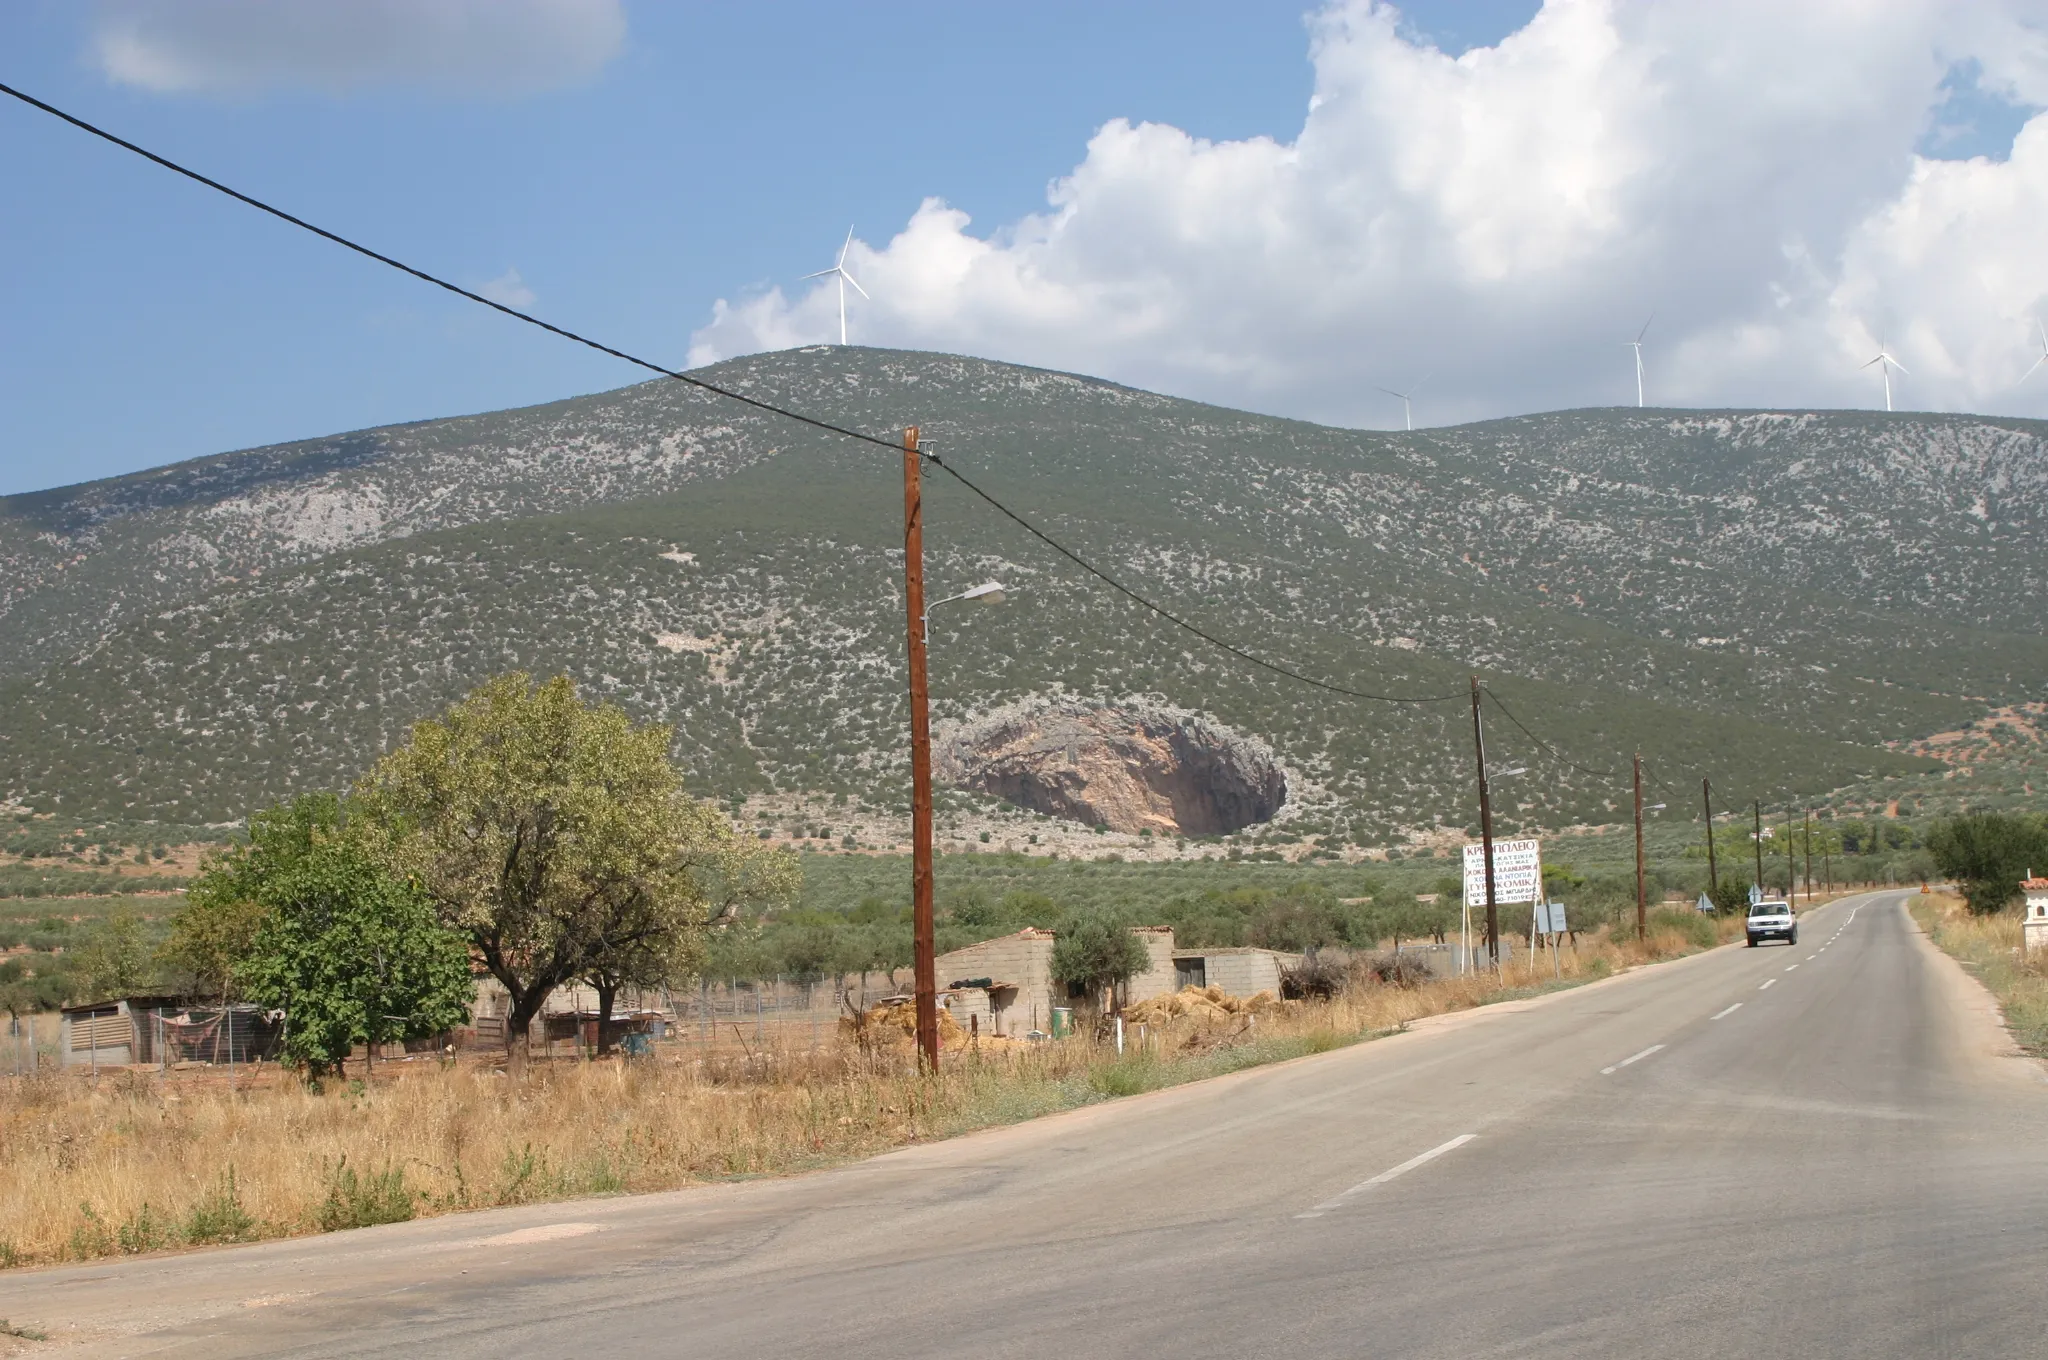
134	1162
1993	949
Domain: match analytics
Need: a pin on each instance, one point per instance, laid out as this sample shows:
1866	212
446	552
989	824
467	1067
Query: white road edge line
1337	1201
1633	1057
1768	984
1730	1011
1791	967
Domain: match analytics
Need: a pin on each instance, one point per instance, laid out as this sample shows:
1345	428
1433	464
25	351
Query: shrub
1697	930
220	1217
364	1201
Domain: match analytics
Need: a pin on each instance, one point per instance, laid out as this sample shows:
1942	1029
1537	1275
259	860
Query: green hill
1781	601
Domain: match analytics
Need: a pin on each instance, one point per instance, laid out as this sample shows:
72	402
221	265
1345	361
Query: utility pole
1809	854
923	954
1486	832
1642	909
1791	864
1707	801
1759	807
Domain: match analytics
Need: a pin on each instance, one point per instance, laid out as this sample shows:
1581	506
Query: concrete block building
1004	986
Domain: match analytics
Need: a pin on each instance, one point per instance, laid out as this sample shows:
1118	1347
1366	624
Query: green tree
115	959
557	836
1098	954
1987	854
214	933
352	954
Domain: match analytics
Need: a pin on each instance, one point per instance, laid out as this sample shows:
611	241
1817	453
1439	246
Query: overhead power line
814	422
1560	756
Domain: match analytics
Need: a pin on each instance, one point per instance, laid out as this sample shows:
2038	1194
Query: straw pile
893	1020
1200	1005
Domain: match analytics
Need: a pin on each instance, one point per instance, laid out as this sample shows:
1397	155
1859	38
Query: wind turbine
2044	353
839	268
1408	406
1637	345
1886	364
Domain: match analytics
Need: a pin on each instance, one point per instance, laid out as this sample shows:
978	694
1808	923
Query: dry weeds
135	1162
1994	949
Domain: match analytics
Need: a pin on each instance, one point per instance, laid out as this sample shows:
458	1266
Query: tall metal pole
923	954
1642	908
1759	809
1707	801
1486	832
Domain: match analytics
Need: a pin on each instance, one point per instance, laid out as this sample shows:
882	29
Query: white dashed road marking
1730	1011
1631	1058
1770	983
1337	1201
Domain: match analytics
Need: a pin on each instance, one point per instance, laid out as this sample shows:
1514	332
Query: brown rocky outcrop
1130	767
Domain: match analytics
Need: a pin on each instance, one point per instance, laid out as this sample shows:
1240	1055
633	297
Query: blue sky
727	144
721	152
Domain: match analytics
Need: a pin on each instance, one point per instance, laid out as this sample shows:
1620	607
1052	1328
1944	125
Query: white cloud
1505	221
508	288
456	46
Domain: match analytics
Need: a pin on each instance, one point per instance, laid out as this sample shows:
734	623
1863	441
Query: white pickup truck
1772	921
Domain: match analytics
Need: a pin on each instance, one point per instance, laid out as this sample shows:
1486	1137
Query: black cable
1170	616
712	388
1559	755
439	282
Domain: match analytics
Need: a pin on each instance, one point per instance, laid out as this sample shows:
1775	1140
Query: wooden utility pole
1486	832
1642	904
1809	854
1759	808
1707	801
924	963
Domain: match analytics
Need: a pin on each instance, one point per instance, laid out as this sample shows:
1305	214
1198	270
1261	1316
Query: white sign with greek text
1517	872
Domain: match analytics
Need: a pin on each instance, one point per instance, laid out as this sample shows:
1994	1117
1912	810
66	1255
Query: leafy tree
1987	854
557	836
352	954
1299	920
115	959
1097	953
214	933
1730	898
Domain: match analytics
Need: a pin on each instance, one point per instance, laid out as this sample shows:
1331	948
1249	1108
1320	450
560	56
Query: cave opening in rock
1127	768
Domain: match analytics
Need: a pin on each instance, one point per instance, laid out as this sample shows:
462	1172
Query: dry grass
1993	948
136	1162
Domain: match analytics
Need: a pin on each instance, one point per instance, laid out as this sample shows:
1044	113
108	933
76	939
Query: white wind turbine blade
822	273
1644	331
1895	363
855	282
2036	365
844	246
1392	393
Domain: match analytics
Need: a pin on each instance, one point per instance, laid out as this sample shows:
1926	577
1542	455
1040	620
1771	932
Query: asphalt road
1826	1150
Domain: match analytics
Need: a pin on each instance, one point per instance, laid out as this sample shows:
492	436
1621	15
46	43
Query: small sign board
1517	872
1705	904
1756	893
1549	919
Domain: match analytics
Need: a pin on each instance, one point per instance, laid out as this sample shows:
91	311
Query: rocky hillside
1785	601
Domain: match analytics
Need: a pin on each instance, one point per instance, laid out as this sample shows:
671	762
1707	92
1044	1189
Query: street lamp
923	953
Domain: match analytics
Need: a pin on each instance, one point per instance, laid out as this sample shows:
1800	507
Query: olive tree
1098	954
1987	854
556	835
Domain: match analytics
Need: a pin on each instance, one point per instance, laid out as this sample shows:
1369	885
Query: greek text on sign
1517	872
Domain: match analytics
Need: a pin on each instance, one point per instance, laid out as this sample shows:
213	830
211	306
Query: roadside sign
1517	872
1549	919
1756	893
1705	903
